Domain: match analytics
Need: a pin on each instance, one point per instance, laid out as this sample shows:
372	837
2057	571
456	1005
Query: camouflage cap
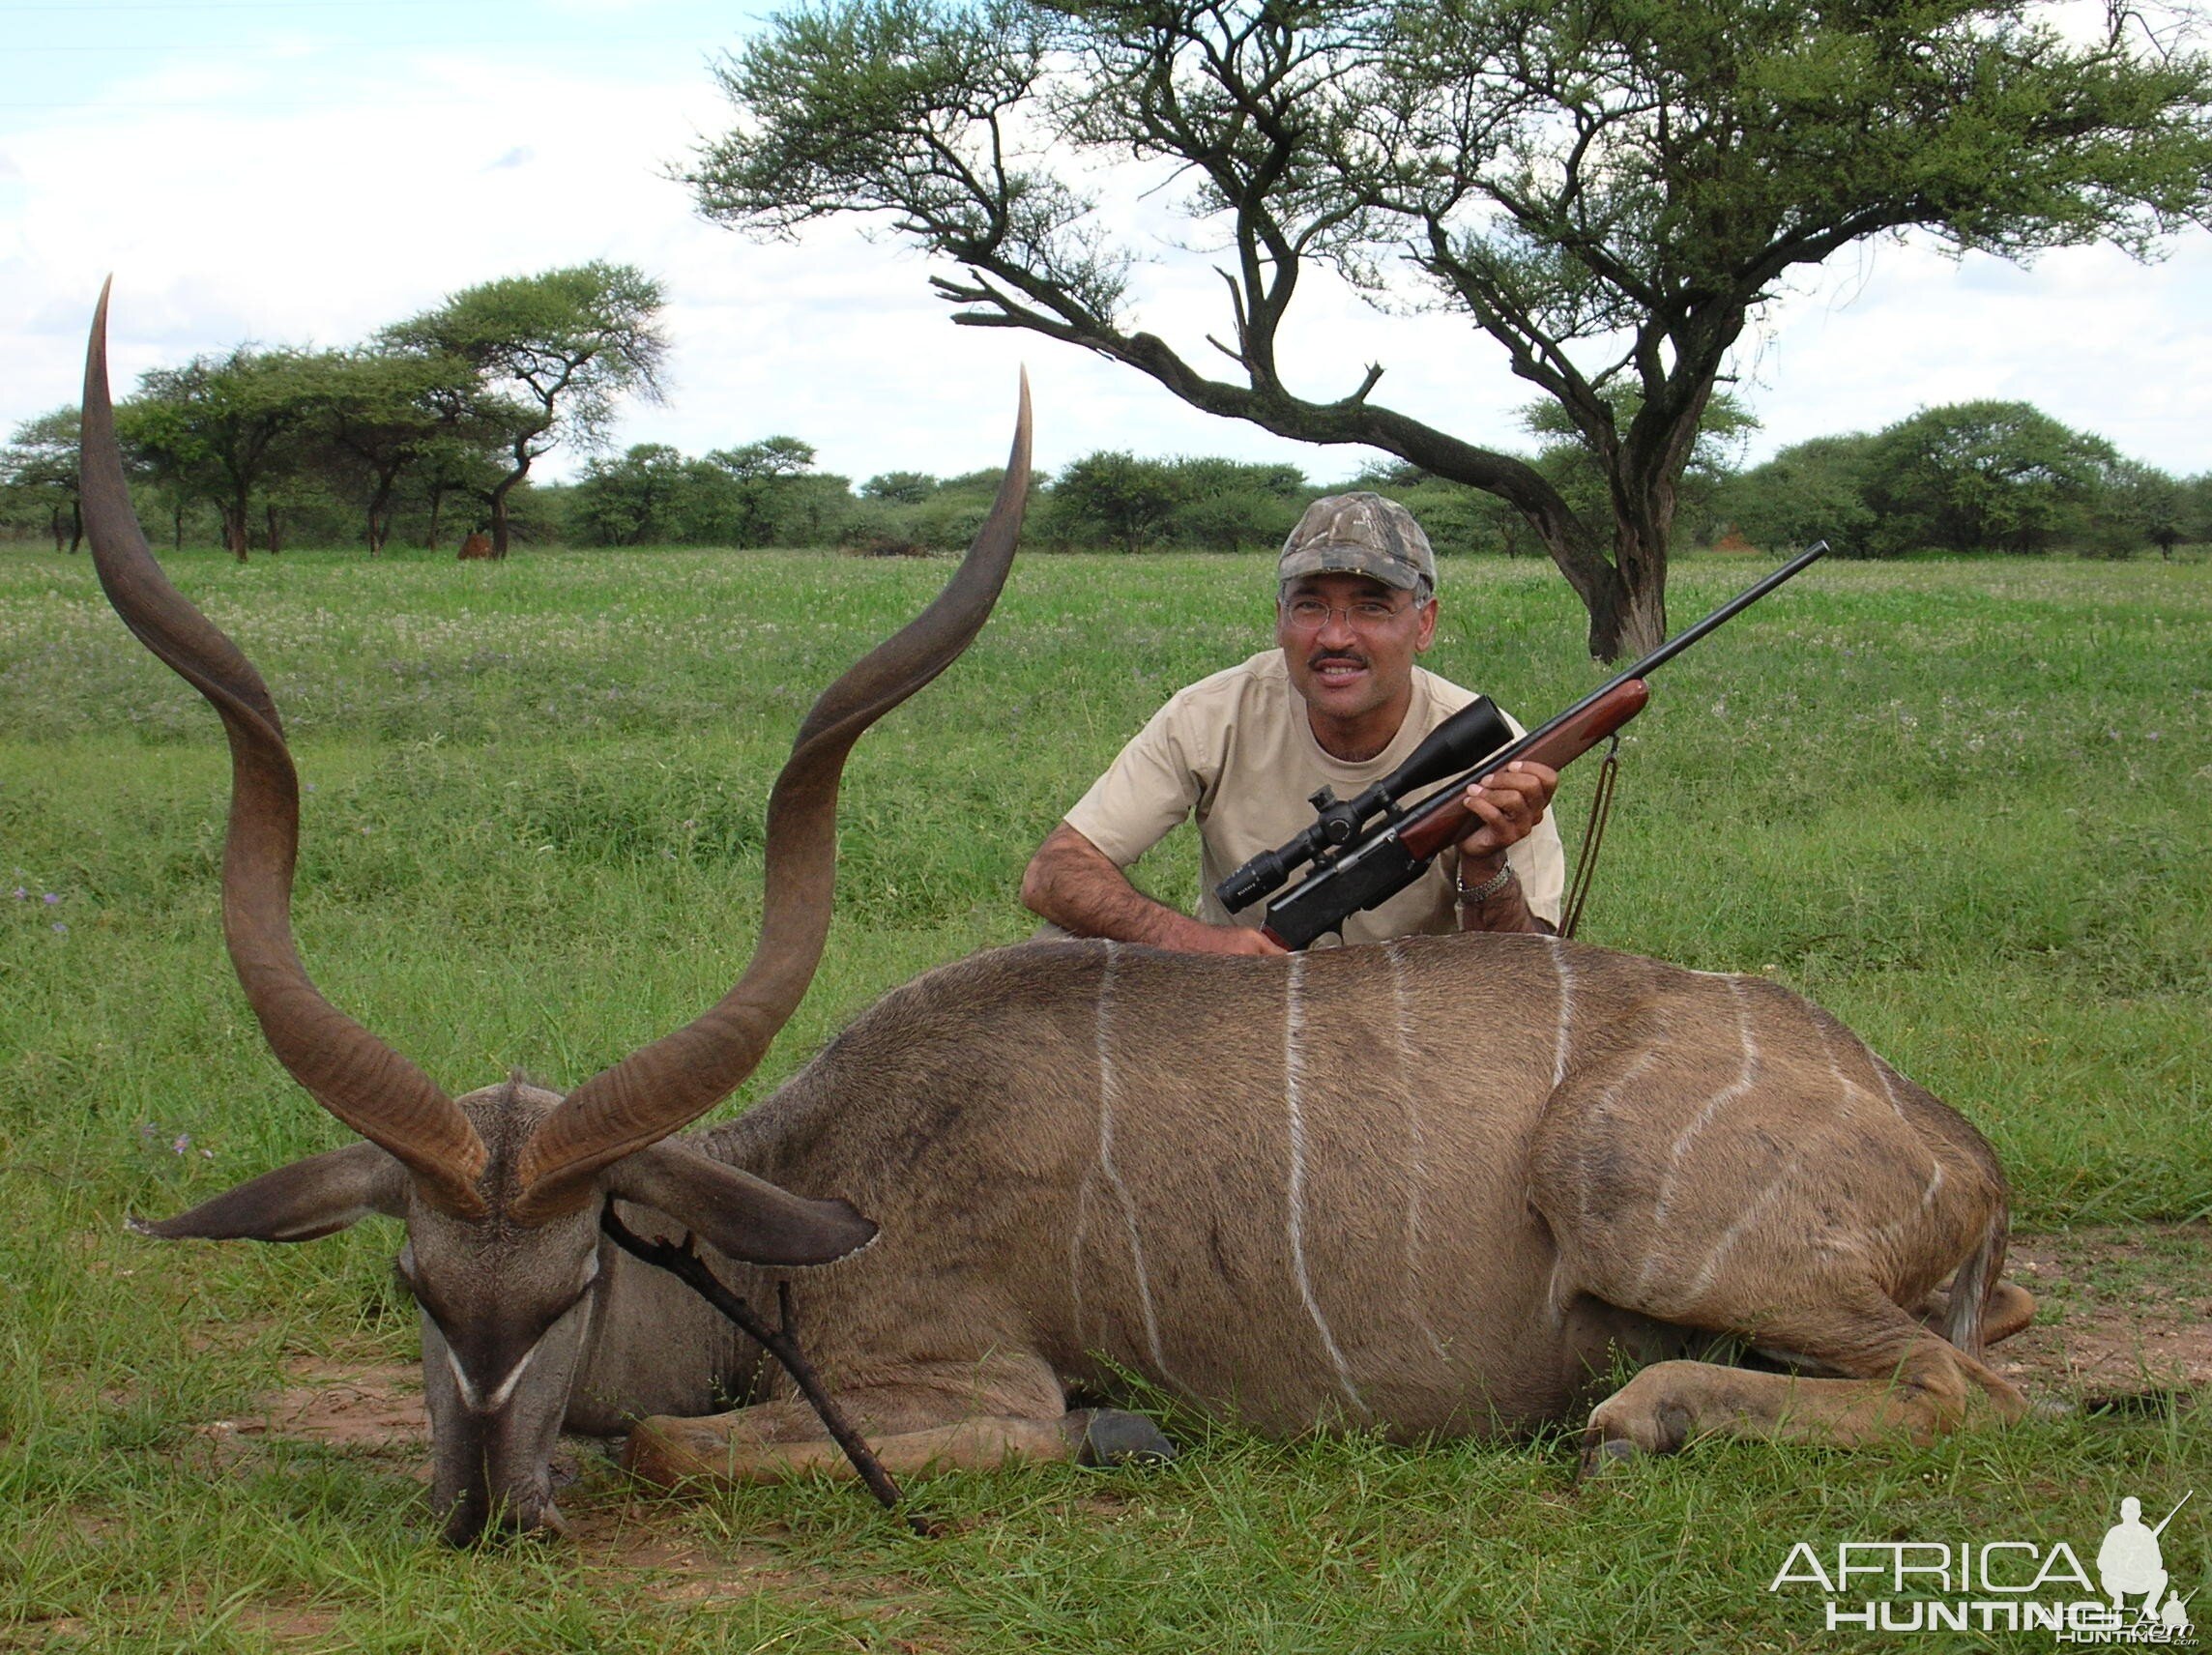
1359	533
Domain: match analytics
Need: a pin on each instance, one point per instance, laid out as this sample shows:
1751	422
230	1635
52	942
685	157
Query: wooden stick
783	1343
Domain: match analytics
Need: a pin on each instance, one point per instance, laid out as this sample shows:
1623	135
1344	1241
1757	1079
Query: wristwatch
1488	888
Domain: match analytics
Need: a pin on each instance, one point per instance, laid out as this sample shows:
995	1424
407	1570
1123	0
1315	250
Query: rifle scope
1460	743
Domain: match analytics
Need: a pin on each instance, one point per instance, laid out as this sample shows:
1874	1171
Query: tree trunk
276	540
498	502
380	514
1626	599
1642	523
177	525
234	528
387	506
437	508
77	525
1630	617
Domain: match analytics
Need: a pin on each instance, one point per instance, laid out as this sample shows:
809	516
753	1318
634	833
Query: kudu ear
745	1217
298	1202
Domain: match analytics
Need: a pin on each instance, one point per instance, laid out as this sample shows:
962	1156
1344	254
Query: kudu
1437	1186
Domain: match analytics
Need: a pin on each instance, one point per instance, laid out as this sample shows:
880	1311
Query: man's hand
1507	804
1202	938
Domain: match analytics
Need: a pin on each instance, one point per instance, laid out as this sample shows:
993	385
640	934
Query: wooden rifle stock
1444	821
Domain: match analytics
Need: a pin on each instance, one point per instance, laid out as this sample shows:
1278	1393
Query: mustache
1331	657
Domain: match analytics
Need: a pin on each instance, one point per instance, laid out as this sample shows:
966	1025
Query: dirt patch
345	1405
2120	1311
308	1628
669	1568
373	1408
283	1623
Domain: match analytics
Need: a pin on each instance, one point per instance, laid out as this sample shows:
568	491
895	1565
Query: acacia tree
552	354
388	413
1608	189
226	429
762	483
2142	506
1811	490
38	467
640	498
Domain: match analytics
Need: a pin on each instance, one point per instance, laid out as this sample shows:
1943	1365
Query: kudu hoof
1606	1456
1113	1438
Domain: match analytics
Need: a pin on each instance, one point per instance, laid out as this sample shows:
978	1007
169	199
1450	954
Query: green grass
1964	804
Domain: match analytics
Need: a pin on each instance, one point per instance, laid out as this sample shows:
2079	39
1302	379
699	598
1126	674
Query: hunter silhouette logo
2129	1563
2003	1586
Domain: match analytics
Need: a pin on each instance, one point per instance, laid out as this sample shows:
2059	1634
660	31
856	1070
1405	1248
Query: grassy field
1965	804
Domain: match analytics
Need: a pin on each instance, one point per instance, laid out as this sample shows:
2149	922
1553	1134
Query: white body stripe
1078	1236
1733	1233
1567	976
1294	1082
1416	1147
1881	1074
1107	1086
1605	1102
1671	1180
1934	1187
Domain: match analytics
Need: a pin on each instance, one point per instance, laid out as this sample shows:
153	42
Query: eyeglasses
1362	615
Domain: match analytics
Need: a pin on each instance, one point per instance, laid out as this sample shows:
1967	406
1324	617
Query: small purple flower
184	1142
51	898
21	895
61	928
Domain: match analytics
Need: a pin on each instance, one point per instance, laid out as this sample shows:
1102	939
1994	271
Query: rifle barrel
2171	1515
1690	634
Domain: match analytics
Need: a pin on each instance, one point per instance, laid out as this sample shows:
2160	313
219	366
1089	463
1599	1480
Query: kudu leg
774	1442
2011	1310
931	1417
1904	1382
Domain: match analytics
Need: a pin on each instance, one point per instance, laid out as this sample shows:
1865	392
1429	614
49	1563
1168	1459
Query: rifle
1358	866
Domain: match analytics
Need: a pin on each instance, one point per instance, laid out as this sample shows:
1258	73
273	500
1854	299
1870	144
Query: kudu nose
472	1523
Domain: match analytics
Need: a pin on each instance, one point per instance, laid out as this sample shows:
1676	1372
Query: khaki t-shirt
1236	749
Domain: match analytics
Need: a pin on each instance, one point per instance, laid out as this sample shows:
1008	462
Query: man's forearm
1073	884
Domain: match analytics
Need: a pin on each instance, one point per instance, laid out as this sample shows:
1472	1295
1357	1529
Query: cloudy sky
303	171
